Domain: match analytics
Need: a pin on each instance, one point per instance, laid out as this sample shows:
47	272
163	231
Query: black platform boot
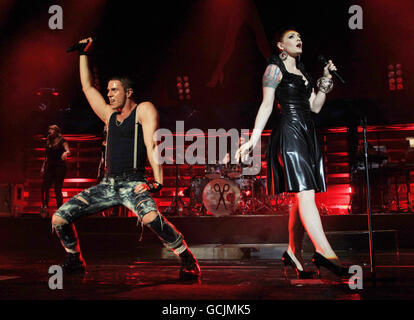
74	263
190	270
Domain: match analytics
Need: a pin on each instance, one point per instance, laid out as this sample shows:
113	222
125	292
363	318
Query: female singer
294	160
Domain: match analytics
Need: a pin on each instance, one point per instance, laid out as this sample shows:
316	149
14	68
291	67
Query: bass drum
221	197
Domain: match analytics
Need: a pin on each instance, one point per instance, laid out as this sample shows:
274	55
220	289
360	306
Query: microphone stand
369	211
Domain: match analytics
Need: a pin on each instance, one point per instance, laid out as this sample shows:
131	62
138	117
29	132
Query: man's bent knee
57	220
149	217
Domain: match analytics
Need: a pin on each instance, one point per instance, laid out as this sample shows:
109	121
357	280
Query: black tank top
54	154
120	146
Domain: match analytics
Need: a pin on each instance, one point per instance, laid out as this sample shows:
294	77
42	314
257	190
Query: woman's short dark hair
278	35
56	128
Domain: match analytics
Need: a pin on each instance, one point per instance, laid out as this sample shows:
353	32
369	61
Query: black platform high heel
287	260
319	260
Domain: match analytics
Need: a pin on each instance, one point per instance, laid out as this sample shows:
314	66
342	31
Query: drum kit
223	190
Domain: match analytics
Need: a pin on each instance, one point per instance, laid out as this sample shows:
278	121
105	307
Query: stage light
395	79
183	87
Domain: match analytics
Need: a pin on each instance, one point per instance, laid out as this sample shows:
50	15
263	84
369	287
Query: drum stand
203	210
177	204
259	204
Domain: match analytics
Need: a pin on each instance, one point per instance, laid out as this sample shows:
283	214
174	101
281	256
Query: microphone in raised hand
335	73
80	46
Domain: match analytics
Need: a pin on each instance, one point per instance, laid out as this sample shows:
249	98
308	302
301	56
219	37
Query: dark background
156	41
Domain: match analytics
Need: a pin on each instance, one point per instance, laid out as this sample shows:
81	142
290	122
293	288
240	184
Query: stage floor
25	276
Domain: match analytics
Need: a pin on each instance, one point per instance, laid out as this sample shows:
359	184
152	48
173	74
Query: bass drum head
221	197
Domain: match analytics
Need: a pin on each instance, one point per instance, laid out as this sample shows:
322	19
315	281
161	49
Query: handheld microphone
323	60
79	46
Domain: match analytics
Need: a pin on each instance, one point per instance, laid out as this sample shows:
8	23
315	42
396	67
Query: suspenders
136	139
136	134
106	146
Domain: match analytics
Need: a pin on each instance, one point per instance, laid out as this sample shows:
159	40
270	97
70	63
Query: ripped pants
112	192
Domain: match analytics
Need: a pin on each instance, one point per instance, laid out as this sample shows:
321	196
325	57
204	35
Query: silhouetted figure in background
54	167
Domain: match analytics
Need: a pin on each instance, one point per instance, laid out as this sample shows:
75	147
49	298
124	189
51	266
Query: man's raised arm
94	97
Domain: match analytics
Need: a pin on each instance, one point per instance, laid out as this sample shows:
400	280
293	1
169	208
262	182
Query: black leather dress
294	158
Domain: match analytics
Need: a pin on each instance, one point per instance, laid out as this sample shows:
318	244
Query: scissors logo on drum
217	188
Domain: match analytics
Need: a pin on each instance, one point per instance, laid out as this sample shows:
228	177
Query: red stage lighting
395	80
183	82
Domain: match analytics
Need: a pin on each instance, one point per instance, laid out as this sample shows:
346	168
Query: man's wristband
154	187
84	49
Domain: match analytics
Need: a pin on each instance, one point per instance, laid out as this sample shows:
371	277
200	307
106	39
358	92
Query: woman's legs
296	233
46	183
59	177
312	223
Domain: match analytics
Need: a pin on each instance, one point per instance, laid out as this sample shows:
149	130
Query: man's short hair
127	82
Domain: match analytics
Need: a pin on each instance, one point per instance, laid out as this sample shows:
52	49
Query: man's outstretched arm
94	97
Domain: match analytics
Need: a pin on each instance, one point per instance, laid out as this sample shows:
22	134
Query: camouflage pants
112	192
